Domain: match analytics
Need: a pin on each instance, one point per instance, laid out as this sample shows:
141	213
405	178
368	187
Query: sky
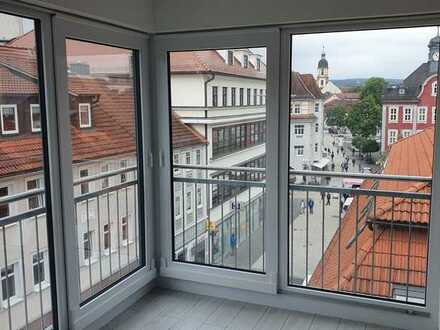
391	53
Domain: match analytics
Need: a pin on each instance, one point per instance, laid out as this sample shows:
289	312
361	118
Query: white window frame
299	150
425	114
45	283
199	201
433	114
32	107
40	183
124	227
89	115
316	107
177	206
406	133
392	138
297	109
17	284
434	88
90	240
409	120
298	129
106	233
391	114
16	130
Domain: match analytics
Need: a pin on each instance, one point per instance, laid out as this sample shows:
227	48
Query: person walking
332	155
353	161
333	167
302	206
328	199
311	203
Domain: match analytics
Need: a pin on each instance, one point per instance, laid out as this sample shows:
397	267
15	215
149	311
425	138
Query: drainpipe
208	192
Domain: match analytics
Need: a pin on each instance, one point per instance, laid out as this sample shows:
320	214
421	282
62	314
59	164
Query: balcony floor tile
166	309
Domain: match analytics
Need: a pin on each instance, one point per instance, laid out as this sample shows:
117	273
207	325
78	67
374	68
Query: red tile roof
184	135
210	61
113	131
370	266
304	86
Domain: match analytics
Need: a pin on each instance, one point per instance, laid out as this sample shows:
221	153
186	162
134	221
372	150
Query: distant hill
357	82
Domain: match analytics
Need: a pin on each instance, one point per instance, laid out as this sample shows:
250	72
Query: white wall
135	14
180	15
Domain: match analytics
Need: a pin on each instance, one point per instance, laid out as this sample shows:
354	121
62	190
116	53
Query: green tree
373	87
337	116
364	118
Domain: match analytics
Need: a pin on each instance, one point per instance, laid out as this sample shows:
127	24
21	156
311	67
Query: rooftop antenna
323	51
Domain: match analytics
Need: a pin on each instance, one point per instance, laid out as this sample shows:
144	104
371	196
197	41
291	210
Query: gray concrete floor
166	309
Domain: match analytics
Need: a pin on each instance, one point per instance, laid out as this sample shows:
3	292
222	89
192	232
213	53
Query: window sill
12	301
89	262
125	243
44	286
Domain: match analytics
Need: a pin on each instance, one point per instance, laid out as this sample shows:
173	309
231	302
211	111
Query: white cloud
391	53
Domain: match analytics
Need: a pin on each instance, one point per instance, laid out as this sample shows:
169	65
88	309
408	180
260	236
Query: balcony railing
230	218
370	240
25	279
107	224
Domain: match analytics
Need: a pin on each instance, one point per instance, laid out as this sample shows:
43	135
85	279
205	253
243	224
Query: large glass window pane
355	110
25	290
103	117
220	221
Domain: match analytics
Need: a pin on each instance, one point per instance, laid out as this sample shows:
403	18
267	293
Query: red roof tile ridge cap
200	62
10	43
13	68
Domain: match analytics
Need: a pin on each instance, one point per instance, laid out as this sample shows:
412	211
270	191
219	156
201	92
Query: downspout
208	191
211	78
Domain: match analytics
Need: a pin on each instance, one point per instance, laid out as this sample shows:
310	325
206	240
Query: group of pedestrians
311	203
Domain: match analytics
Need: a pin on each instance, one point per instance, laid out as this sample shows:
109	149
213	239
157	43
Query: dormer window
230	57
85	116
9	118
258	64
245	61
401	91
35	118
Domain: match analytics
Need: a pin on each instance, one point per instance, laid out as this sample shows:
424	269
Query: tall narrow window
230	57
38	268
124	229
84	187
35	118
4	208
35	200
225	96
214	96
85	115
9	118
106	234
8	282
107	142
245	61
27	231
232	138
123	165
87	245
346	232
233	96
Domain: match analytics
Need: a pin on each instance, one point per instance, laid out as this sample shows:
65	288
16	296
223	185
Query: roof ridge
13	68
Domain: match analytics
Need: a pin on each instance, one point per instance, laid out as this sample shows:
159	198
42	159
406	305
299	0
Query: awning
321	163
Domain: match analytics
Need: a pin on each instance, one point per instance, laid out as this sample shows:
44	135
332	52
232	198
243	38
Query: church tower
433	55
322	76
